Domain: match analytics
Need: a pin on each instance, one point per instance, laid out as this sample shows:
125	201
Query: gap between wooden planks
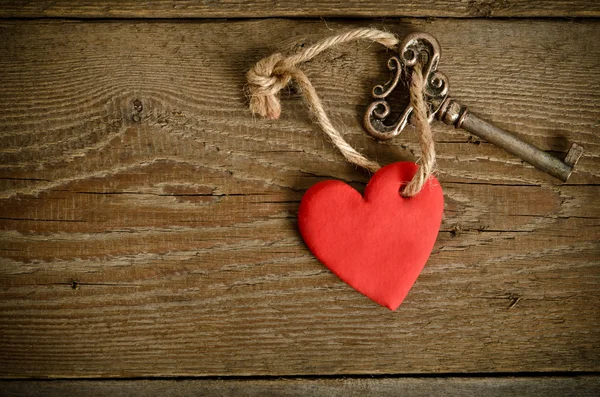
148	221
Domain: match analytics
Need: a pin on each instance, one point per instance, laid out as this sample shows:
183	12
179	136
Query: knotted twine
273	73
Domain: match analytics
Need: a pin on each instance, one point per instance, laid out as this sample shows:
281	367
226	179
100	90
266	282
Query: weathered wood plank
581	386
163	242
320	8
288	8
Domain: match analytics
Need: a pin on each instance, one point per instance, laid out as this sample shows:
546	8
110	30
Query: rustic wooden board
582	386
163	241
289	8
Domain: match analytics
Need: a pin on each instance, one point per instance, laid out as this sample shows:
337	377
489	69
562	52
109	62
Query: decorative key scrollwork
424	49
416	48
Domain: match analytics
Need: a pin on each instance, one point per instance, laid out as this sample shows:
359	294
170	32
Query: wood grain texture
289	8
582	386
148	221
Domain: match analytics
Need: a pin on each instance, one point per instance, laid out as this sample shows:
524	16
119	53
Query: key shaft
453	113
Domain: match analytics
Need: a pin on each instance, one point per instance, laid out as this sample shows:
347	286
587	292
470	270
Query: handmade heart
377	244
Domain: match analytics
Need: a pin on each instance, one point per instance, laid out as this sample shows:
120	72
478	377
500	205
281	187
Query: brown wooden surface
290	8
581	386
163	241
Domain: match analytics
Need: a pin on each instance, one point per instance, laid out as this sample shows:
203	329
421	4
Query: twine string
421	122
273	73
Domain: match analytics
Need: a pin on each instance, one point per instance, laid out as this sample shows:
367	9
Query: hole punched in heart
271	74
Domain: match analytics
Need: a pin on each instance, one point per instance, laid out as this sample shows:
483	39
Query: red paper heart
377	244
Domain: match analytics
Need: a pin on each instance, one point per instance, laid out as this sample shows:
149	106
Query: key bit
425	49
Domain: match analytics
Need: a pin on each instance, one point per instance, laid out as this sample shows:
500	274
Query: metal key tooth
424	50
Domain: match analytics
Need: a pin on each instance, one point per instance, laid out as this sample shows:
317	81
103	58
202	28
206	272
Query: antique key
424	48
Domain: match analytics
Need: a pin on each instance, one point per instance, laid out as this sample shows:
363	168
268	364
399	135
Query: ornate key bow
425	49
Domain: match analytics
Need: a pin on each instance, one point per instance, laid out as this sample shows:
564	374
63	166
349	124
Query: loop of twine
271	74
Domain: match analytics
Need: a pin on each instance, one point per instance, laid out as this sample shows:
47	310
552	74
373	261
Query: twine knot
271	74
265	80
